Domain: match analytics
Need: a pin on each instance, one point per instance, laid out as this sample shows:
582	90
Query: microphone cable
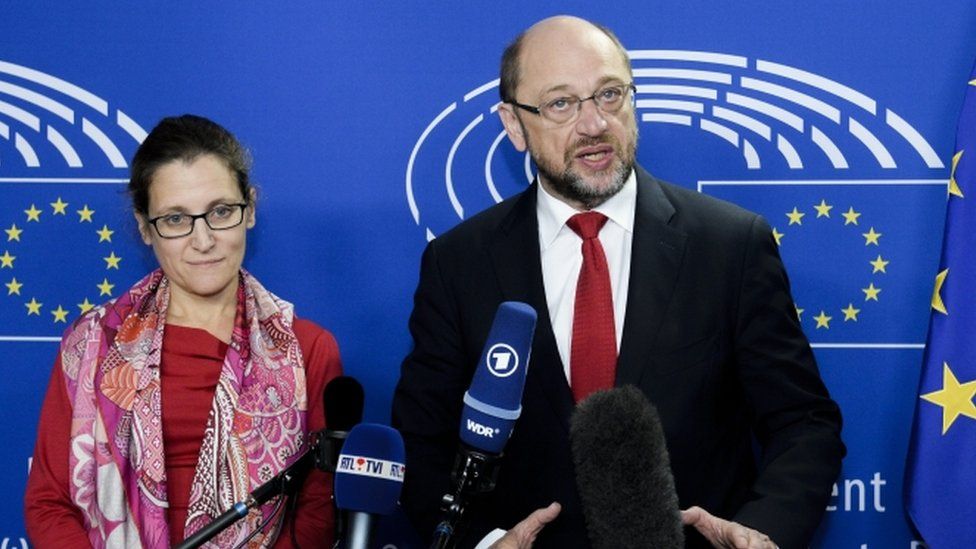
265	522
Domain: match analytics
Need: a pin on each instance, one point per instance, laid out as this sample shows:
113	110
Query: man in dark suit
700	319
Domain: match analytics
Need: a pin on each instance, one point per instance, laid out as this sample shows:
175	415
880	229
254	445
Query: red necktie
593	355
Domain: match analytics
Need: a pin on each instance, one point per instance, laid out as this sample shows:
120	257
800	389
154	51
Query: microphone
623	473
494	400
491	405
368	479
343	397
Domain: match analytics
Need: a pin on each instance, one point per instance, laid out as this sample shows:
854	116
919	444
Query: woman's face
205	262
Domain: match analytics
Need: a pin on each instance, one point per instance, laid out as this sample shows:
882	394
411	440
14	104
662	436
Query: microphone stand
327	446
285	482
474	473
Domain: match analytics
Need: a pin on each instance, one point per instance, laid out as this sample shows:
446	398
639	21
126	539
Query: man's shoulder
695	211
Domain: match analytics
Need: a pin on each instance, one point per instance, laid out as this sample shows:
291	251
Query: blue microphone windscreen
369	474
494	400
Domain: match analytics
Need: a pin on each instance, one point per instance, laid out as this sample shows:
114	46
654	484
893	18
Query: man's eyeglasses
561	110
219	218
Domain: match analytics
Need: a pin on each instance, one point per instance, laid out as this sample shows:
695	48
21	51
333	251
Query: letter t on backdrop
940	486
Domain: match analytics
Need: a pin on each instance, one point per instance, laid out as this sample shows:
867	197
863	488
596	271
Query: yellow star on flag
13	287
85	214
871	237
879	265
955	398
850	216
823	209
59	207
13	233
33	214
105	234
86	306
60	314
777	235
796	218
953	184
33	307
799	311
937	302
823	321
850	313
105	288
7	260
112	261
871	292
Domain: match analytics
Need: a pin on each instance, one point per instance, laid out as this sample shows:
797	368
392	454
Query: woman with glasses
174	401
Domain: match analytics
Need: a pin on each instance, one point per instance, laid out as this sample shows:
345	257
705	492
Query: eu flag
941	475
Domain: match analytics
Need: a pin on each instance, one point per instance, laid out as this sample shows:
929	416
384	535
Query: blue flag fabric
941	472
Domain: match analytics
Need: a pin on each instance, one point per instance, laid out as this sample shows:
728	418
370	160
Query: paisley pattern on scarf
110	360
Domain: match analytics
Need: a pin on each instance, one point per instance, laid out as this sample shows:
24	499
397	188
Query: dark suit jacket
711	337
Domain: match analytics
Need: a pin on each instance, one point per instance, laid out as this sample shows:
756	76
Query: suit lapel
655	263
515	253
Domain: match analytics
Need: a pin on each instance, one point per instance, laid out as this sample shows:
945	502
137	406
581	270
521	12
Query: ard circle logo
502	360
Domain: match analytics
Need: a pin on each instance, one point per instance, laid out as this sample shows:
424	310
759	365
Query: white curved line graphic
667	89
752	158
745	121
481	89
671	105
130	126
812	103
430	234
4	131
529	176
914	138
104	143
53	82
768	109
489	180
686	55
789	153
666	118
63	147
819	82
20	115
448	179
836	157
873	144
411	201
724	132
26	151
685	74
42	101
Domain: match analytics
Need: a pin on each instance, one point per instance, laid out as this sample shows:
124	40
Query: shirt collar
553	213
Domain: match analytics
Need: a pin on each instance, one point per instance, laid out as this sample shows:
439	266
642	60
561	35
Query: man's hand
523	534
724	533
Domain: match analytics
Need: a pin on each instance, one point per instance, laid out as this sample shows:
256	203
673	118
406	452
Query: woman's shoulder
310	333
319	347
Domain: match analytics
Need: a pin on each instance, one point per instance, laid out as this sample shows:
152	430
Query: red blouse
191	364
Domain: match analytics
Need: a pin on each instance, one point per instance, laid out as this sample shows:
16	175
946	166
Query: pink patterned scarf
256	426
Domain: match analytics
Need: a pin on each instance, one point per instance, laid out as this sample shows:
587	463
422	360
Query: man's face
586	160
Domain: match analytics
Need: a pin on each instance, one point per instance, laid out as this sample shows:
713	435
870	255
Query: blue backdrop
373	129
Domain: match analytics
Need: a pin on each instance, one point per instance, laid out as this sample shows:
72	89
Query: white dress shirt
562	259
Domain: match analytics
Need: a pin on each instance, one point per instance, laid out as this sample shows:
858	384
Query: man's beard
570	184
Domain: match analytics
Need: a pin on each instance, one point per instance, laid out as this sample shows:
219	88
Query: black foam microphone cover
343	398
623	473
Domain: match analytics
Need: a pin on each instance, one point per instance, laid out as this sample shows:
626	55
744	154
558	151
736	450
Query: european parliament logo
68	240
825	164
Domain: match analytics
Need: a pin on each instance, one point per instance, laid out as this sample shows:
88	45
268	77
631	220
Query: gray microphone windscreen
623	472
